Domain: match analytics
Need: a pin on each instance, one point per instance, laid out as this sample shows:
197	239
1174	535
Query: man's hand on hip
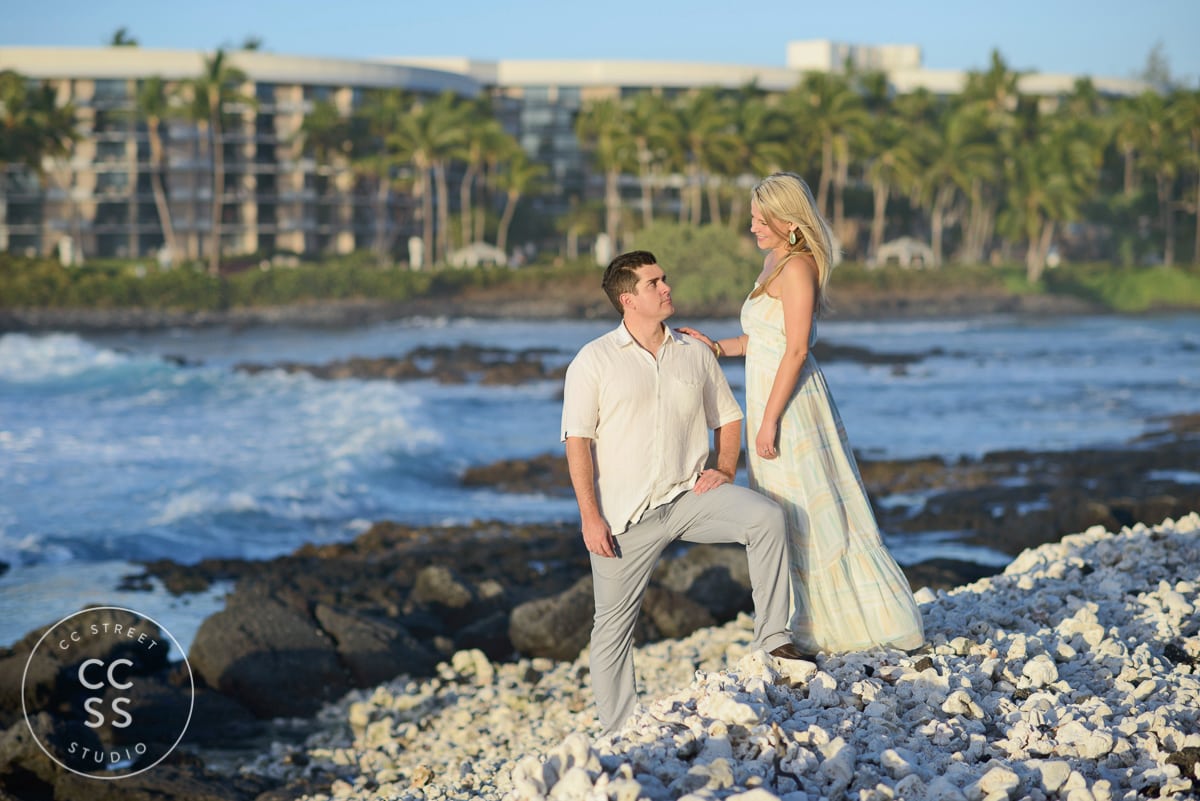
710	479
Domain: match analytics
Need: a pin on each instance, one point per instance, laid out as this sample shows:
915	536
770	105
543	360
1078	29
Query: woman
848	592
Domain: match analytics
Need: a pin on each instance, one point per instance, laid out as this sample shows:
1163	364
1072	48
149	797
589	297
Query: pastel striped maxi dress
848	593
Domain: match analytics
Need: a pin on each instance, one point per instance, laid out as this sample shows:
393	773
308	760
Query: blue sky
1095	37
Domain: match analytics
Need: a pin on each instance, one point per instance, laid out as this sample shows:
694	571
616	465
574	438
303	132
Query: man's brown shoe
789	651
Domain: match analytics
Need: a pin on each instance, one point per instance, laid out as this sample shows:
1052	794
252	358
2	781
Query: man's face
652	300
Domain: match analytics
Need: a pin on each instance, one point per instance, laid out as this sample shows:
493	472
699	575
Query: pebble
1053	679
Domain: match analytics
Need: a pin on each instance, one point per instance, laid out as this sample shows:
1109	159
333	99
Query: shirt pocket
683	394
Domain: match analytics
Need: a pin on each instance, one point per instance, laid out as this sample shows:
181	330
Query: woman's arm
797	286
734	346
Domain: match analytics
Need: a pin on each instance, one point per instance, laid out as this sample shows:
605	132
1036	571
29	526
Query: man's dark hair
621	275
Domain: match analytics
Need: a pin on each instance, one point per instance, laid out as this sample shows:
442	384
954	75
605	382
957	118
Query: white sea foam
30	359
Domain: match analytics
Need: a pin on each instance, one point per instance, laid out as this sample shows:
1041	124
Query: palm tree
580	219
766	130
1130	135
121	38
980	179
325	134
1185	109
1049	173
765	135
603	130
707	122
33	128
216	88
1162	156
829	104
654	126
426	138
482	137
519	178
952	158
382	113
891	167
154	107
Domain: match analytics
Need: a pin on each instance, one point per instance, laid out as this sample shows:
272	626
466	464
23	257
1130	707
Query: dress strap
761	288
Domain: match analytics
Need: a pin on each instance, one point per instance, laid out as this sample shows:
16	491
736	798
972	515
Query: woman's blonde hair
784	200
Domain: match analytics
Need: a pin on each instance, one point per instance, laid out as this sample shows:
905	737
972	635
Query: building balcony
19	229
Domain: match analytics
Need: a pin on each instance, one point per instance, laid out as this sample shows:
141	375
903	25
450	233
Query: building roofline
470	77
261	67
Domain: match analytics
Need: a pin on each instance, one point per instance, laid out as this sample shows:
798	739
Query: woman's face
766	238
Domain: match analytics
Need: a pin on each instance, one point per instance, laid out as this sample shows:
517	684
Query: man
638	406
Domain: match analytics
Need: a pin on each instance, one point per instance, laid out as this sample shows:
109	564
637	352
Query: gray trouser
728	513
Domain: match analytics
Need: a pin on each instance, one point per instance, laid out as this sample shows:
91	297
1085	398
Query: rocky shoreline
463	613
562	300
444	606
1074	674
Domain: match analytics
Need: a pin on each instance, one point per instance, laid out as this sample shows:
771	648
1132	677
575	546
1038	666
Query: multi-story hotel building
98	200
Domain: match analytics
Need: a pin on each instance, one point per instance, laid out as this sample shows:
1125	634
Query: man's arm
728	443
597	535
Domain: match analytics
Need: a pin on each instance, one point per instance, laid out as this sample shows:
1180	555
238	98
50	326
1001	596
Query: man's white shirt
651	420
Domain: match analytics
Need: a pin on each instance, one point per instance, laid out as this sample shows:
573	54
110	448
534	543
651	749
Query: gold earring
792	237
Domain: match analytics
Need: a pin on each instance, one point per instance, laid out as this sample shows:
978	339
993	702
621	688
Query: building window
570	96
108	152
315	93
112	183
111	91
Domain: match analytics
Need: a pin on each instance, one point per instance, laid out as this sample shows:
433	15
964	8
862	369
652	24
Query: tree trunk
1196	245
714	202
158	162
464	202
193	237
647	190
443	212
4	211
484	204
1033	260
879	192
1047	241
937	221
381	220
426	215
1167	214
972	241
572	243
735	209
218	182
841	178
826	176
612	206
1130	174
510	206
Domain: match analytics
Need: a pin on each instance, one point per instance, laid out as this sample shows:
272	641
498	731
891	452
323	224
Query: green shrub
710	268
1128	289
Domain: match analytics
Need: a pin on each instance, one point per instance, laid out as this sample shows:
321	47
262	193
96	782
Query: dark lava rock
715	576
374	649
50	675
667	614
557	627
245	650
946	574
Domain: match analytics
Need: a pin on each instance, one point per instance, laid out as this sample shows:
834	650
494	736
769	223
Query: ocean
131	446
